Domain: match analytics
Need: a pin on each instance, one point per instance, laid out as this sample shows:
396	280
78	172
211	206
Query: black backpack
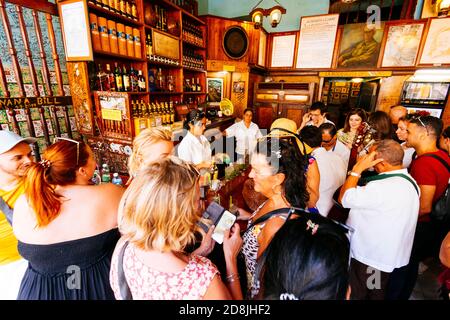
441	208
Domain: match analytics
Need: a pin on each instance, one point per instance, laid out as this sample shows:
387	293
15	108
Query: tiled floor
427	285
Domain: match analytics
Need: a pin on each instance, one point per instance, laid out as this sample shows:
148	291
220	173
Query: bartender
246	132
195	147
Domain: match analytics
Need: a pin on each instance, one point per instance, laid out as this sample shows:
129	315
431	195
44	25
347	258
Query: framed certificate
75	30
283	47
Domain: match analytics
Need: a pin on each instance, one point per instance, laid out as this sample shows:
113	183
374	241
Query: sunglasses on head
57	139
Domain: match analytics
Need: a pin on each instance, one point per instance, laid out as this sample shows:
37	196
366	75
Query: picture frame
401	43
436	46
75	30
239	86
214	89
344	90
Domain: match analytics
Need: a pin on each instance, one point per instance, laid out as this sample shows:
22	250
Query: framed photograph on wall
214	88
401	43
436	50
239	86
75	30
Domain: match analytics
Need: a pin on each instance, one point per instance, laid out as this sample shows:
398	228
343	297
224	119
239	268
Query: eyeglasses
69	140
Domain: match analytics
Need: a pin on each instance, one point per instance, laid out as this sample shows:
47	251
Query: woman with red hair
66	227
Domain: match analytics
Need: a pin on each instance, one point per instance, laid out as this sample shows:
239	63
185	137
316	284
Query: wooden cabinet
274	100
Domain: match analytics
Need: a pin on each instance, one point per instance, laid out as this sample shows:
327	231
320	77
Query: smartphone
225	223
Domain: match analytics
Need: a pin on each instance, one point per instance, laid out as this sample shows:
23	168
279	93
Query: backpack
441	208
7	210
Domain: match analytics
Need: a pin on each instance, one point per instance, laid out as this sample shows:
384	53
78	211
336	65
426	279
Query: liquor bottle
134	10
110	77
123	8
170	84
172	113
126	80
159	80
128	9
117	6
133	109
141	82
117	180
118	78
106	177
140	123
134	85
111	5
193	86
158	120
151	117
147	47
102	79
199	88
105	4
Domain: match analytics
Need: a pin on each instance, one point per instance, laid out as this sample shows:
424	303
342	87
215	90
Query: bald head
396	113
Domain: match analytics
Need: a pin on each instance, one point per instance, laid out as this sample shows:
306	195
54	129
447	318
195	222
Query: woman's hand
232	243
207	245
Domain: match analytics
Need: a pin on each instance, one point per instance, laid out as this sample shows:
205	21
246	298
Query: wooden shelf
163	64
194	69
193	45
127	92
157	93
117	56
114	16
191	16
194	93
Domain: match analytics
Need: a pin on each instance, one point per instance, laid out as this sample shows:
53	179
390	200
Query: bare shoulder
109	190
217	290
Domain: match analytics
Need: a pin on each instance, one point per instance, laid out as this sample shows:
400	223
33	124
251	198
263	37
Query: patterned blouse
345	137
148	284
250	249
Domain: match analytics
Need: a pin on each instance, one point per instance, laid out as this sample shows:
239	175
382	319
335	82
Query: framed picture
75	30
436	50
316	41
401	44
239	86
360	46
214	87
344	90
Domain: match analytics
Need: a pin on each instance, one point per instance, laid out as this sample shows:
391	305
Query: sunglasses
69	140
422	124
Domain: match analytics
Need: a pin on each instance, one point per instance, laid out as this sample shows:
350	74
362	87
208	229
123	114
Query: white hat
9	140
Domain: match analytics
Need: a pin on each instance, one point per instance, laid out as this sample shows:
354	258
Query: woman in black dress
67	228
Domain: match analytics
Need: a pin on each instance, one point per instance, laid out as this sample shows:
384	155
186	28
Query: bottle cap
115	175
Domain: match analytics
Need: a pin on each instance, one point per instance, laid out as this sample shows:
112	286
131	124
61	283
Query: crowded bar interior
224	149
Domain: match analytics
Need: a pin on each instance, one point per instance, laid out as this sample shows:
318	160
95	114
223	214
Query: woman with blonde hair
66	228
148	146
160	211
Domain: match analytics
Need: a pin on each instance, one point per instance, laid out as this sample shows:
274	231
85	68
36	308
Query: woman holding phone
161	211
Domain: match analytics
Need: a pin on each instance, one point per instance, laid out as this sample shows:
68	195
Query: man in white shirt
332	168
332	144
246	133
316	116
383	214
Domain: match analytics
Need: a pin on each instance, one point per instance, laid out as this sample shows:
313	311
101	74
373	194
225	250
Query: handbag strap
125	292
277	212
7	210
385	176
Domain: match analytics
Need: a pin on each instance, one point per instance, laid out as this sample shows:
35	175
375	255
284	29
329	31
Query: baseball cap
9	140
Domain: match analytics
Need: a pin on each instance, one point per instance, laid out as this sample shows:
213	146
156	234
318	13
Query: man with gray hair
383	214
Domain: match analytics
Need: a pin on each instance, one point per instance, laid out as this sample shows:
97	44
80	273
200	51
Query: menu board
283	47
75	30
262	49
316	42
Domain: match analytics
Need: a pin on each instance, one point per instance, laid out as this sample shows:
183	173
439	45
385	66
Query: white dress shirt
193	149
384	215
246	138
311	123
342	151
332	171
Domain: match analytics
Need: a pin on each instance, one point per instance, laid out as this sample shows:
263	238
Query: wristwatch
355	174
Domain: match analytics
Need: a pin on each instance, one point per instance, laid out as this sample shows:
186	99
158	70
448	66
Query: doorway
341	95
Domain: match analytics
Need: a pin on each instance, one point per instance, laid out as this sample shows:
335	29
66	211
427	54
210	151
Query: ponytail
41	194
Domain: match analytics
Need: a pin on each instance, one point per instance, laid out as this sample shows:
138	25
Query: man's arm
444	254
426	198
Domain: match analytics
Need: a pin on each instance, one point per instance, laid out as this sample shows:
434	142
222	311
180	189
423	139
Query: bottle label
137	39
119	81
126	82
94	28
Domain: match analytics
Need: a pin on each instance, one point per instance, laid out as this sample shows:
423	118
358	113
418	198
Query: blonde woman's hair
160	207
142	144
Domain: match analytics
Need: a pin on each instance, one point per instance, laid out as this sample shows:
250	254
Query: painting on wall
214	88
239	86
437	45
402	44
360	45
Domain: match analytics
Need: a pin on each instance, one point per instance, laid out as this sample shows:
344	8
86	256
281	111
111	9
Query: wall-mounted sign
33	102
316	42
75	29
166	46
355	74
283	47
